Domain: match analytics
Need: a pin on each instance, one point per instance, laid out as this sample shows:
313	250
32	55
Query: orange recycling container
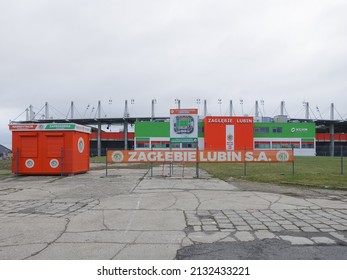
50	148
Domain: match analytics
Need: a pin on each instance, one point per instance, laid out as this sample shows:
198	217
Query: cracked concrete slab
79	251
148	252
144	220
101	236
161	237
20	252
146	201
28	230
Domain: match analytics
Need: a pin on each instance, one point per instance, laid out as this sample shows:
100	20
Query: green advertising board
183	140
159	129
285	130
152	129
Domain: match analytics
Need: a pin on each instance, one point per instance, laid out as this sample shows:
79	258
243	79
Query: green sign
60	126
284	130
184	140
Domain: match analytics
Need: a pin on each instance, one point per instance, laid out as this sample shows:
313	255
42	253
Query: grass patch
98	159
308	171
5	168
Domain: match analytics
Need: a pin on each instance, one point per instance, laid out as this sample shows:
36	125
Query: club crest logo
117	156
54	163
80	145
230	137
282	156
29	163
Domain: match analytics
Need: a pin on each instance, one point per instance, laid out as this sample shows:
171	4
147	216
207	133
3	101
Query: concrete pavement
130	215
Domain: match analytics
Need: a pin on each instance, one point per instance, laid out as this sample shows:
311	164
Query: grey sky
86	50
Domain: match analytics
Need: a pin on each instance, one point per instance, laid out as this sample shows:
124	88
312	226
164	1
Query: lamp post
178	102
198	101
220	106
262	102
132	102
241	103
154	101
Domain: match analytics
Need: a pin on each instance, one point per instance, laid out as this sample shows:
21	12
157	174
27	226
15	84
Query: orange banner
192	156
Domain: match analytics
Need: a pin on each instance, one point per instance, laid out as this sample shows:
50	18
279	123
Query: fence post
197	161
151	165
106	161
293	166
170	164
17	161
341	159
245	165
61	161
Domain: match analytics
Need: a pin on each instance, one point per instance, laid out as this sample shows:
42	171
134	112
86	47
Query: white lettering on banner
142	157
151	156
249	156
221	156
244	121
262	157
200	156
192	156
132	156
220	120
169	156
236	156
156	156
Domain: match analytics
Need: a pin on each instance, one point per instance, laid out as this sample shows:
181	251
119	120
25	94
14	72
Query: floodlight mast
154	101
282	108
99	129
72	110
126	110
46	111
256	109
178	102
205	108
31	113
198	101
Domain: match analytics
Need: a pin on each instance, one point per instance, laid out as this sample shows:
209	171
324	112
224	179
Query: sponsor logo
299	129
117	156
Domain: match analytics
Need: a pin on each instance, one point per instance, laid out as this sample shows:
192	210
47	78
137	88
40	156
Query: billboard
189	156
285	130
228	133
184	123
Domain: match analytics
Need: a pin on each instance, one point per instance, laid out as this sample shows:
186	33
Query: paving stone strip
45	207
303	220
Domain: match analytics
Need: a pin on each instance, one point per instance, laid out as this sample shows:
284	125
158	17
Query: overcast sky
59	51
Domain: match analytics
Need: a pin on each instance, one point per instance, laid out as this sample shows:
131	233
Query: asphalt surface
131	215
